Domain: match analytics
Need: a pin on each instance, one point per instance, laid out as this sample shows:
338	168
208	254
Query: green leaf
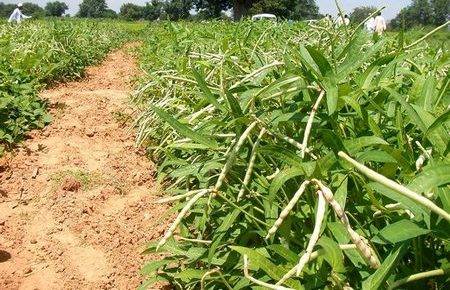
308	61
189	275
376	280
332	253
331	88
281	178
149	282
282	251
283	154
204	88
151	267
415	208
221	231
432	177
185	130
398	232
441	120
356	144
413	115
258	261
375	156
233	104
341	235
320	60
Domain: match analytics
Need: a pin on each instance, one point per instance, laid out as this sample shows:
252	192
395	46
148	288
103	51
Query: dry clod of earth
71	184
92	239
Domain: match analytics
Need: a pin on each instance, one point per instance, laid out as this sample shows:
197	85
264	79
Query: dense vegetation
35	54
290	148
423	13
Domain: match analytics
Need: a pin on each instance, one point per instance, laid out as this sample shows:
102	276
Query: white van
266	16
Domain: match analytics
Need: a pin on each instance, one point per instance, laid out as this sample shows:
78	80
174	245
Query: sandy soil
76	198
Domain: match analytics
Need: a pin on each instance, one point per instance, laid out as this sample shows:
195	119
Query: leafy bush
290	148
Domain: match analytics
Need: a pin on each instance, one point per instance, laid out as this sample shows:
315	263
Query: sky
326	6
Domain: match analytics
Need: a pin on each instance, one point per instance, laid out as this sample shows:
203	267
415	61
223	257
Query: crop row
296	156
39	53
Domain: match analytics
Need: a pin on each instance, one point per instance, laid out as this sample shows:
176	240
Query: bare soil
76	198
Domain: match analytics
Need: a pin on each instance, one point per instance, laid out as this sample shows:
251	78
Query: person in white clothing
370	25
380	24
17	15
345	21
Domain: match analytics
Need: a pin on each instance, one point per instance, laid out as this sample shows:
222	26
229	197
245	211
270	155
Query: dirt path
75	199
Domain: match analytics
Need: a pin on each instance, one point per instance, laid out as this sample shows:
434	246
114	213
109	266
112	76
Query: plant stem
415	277
180	216
310	122
248	173
177	197
427	35
395	186
232	157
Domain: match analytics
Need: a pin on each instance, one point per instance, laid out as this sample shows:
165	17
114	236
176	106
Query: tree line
419	12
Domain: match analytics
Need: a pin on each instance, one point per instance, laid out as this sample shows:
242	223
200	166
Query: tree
6	9
178	9
441	11
131	11
109	13
93	8
241	8
152	11
212	8
305	10
359	14
33	10
288	9
56	9
419	12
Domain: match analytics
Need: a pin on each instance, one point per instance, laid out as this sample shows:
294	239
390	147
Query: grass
88	180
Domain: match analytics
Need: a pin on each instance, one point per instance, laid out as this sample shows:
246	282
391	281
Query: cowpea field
293	155
298	156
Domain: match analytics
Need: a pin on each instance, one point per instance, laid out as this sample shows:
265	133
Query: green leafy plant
297	156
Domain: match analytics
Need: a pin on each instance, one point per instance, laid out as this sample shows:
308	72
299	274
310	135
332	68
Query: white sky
326	6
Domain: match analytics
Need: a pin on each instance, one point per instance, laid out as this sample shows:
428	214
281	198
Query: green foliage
359	14
287	9
422	12
212	8
56	8
38	53
129	11
92	9
217	79
6	9
152	10
177	9
33	10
